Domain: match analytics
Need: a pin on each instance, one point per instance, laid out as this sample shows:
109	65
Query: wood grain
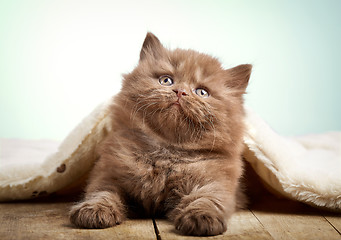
270	218
285	219
49	221
243	225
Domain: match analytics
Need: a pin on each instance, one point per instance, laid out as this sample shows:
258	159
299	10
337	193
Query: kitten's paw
199	223
96	213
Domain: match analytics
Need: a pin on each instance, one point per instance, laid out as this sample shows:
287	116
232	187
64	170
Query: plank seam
157	232
257	218
261	223
337	230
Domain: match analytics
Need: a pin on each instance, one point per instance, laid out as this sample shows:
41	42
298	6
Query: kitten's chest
166	159
151	177
159	163
163	164
149	162
152	170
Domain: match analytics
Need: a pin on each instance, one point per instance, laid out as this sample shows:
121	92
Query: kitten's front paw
96	214
199	218
199	223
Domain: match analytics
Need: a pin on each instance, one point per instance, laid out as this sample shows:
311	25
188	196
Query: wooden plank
50	221
285	219
270	219
243	225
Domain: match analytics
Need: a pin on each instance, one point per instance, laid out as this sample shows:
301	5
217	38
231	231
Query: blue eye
166	81
202	92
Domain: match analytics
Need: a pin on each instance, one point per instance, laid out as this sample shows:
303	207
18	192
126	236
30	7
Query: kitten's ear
151	47
238	77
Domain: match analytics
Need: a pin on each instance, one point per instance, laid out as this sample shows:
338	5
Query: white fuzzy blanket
307	169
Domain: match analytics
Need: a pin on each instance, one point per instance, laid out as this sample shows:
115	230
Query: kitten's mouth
177	103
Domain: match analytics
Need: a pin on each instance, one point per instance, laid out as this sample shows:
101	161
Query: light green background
59	59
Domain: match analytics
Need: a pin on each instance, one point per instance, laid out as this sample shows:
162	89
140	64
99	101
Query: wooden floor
268	218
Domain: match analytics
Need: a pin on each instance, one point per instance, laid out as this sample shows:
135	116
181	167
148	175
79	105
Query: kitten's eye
166	81
202	92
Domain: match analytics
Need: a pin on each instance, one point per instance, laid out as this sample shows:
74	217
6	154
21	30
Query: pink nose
180	92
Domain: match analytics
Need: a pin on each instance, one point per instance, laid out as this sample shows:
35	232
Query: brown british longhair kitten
176	144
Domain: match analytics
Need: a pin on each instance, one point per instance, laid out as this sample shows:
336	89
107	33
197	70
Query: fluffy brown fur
171	151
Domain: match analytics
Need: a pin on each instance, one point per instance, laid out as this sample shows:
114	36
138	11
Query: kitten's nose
180	92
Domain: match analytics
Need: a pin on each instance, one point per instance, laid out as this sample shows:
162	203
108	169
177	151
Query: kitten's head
183	95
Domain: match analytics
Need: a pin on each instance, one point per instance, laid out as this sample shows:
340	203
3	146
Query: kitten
176	144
